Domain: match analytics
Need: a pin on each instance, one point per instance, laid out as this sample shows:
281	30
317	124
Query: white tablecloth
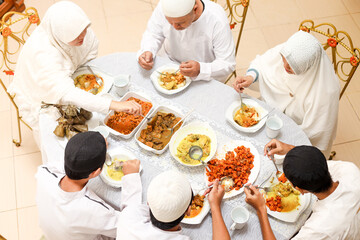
210	100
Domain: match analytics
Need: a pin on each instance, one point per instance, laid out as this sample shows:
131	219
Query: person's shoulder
216	12
52	171
343	169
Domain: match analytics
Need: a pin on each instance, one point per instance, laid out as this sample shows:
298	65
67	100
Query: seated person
298	78
195	33
336	213
67	208
59	45
169	197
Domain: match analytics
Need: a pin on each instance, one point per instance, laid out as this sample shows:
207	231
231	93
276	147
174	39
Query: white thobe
208	41
77	215
338	215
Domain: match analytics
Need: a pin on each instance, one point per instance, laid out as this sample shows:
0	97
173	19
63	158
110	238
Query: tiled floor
119	25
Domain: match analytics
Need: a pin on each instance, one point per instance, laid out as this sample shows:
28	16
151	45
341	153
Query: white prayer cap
177	8
169	196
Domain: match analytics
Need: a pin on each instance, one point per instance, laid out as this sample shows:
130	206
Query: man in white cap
169	198
195	33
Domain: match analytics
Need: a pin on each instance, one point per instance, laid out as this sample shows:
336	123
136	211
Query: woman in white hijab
58	46
298	78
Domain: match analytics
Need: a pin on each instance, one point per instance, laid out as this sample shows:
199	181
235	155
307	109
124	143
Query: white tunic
78	215
208	41
134	224
46	63
311	96
337	216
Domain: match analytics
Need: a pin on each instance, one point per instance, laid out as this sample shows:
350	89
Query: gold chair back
15	28
236	10
344	56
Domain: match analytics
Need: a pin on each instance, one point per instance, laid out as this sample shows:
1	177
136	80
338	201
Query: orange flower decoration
6	32
305	29
332	42
9	72
245	3
354	61
34	19
232	25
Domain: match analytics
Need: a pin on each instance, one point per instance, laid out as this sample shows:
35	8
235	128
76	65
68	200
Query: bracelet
256	72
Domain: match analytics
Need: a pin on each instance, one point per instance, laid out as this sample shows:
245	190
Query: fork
278	173
243	106
174	73
98	80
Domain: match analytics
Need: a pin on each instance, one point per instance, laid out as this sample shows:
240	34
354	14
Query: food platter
155	79
230	146
193	128
204	211
120	153
168	109
108	80
128	95
92	123
235	106
293	215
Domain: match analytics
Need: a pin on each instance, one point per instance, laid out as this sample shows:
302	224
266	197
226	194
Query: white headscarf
311	95
46	62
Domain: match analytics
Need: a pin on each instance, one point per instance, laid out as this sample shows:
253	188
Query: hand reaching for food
277	147
254	197
242	82
216	194
146	60
131	107
131	166
190	68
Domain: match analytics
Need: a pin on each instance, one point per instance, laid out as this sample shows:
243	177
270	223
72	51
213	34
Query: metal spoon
108	160
266	189
196	153
173	73
229	180
117	164
243	106
98	80
273	160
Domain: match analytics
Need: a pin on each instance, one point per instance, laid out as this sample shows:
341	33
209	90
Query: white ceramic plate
92	123
124	98
204	211
254	171
108	80
231	110
171	67
121	153
193	128
164	109
294	214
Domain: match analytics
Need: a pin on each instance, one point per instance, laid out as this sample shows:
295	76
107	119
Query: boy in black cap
336	184
67	208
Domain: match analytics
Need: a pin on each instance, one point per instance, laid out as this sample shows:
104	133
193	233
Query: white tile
25	169
6	135
8	225
28	223
7	184
321	8
352	5
348	152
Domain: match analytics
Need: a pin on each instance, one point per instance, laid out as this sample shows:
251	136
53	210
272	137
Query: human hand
242	82
190	68
254	198
131	166
277	147
131	107
146	60
216	194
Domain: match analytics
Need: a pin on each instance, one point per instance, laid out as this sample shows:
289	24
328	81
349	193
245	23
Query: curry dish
157	133
171	81
88	83
200	140
246	117
196	206
282	197
113	173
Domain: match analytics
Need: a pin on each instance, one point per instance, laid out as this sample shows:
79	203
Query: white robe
78	215
46	63
336	217
310	96
208	41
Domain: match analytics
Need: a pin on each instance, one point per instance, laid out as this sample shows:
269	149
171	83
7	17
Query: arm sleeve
224	50
86	100
131	190
153	36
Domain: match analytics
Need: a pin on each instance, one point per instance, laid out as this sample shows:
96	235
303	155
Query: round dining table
210	100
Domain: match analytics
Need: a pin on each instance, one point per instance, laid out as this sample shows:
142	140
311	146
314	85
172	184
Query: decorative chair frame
9	19
237	11
335	39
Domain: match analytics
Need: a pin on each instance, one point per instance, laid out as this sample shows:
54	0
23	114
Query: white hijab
46	62
311	95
